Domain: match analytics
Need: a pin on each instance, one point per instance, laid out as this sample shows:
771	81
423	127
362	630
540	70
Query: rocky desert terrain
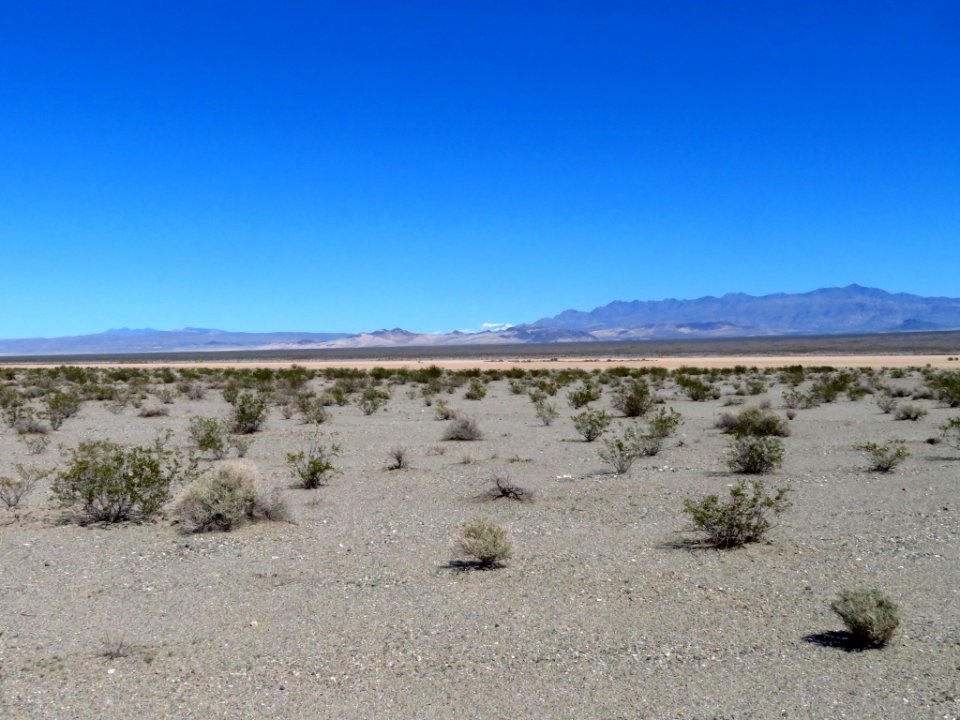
361	604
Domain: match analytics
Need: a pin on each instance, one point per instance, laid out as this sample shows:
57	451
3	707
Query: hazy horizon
435	166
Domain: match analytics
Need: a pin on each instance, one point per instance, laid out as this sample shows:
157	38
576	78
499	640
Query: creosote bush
60	406
13	490
754	422
249	413
486	542
314	466
546	411
755	455
462	428
869	614
209	435
111	483
743	518
476	391
884	458
227	500
591	424
633	398
372	400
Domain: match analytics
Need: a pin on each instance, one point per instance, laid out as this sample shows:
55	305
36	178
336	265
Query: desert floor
359	608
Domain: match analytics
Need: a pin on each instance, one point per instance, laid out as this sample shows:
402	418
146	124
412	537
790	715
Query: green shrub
486	542
462	427
208	434
946	386
546	411
111	483
743	518
476	391
227	500
950	432
313	466
60	406
754	422
633	398
591	424
869	614
249	413
372	400
312	409
755	455
696	389
664	423
583	395
884	458
621	451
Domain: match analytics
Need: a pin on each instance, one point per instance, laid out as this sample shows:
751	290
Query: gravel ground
358	608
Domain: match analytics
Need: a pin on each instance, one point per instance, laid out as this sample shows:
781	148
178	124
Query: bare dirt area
362	605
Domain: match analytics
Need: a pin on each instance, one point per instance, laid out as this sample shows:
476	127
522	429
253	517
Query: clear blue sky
346	166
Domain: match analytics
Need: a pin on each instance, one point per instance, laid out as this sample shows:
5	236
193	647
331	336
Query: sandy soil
356	611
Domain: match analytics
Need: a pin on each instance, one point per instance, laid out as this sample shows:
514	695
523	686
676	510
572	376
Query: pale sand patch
670	363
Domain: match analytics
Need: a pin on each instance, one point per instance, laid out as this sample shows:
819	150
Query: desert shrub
664	423
517	387
462	427
633	398
743	518
240	443
476	391
583	395
35	444
696	389
620	451
486	542
755	455
591	424
946	387
193	391
248	414
950	432
165	394
226	500
546	411
111	483
314	465
13	490
884	458
755	422
372	399
29	424
60	406
869	614
504	488
149	411
886	403
909	411
209	435
443	411
312	409
399	459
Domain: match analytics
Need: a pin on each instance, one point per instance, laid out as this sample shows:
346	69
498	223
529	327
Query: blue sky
436	165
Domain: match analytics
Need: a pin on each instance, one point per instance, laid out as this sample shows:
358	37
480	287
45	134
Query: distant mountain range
852	309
